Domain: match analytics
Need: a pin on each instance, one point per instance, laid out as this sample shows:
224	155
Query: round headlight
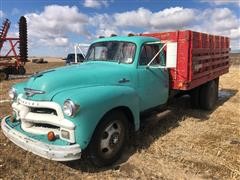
69	108
12	93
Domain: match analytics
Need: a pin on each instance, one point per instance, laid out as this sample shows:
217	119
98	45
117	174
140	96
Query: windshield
122	52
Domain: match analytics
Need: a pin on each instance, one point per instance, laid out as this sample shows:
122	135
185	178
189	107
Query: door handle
123	80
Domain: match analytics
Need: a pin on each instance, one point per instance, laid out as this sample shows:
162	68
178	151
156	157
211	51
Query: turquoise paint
20	87
95	86
152	87
84	75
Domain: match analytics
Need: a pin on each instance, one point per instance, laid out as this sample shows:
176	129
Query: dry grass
179	144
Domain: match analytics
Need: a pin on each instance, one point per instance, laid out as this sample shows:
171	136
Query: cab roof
133	39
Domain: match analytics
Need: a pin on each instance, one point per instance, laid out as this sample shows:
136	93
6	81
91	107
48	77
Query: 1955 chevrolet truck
95	105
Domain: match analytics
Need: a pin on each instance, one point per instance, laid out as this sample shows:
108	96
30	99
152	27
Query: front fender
94	103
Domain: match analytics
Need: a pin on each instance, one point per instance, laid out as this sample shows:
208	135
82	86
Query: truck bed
200	57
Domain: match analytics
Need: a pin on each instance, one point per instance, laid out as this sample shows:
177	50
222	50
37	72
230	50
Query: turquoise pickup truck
93	106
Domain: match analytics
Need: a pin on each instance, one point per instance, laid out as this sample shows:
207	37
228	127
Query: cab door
153	81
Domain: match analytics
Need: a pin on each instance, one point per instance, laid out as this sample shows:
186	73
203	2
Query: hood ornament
31	92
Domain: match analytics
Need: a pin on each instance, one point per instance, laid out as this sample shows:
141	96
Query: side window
143	57
147	53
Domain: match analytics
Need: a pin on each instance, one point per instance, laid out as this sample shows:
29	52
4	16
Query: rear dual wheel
205	96
109	139
195	97
208	95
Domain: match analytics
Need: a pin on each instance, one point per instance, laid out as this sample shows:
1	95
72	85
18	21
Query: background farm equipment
13	61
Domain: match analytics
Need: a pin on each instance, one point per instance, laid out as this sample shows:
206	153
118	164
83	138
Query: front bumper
52	152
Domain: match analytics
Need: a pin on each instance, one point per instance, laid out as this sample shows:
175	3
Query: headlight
12	93
69	108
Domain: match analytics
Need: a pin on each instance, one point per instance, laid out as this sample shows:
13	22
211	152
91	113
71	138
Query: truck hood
87	74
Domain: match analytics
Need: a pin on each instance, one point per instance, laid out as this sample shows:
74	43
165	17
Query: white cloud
58	41
95	3
138	18
1	14
145	20
169	18
104	25
219	20
55	22
166	19
235	34
222	2
173	18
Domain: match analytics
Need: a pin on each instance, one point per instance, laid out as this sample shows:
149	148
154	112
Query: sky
54	27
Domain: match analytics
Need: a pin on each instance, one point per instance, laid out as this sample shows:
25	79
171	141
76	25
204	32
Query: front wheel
109	139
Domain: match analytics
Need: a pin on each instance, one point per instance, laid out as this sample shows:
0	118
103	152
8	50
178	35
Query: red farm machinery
13	50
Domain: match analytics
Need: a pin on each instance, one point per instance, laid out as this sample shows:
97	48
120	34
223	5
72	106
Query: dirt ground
181	143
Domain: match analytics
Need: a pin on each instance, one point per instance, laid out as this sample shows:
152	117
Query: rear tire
208	95
195	97
109	139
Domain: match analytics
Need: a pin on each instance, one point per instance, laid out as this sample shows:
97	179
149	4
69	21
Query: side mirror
171	59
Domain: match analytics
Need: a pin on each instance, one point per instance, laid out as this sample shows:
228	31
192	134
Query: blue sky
55	26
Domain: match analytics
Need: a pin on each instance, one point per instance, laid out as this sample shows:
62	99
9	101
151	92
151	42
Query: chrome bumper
52	152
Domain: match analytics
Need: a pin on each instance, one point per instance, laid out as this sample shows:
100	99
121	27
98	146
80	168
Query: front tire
109	139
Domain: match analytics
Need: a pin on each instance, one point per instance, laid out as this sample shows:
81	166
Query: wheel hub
114	139
111	139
